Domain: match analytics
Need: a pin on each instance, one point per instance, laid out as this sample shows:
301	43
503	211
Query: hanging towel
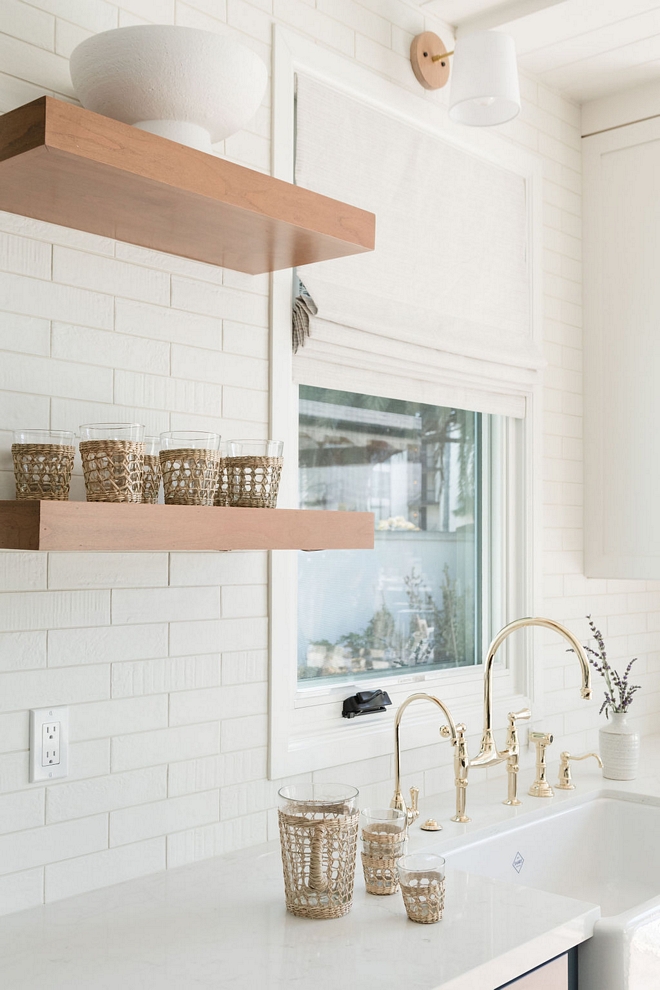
303	307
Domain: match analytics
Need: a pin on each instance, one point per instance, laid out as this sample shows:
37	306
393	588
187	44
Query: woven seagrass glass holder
422	881
151	473
318	838
384	839
254	468
113	460
189	463
43	462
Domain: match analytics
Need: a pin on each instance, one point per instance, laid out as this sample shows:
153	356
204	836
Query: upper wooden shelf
98	526
76	168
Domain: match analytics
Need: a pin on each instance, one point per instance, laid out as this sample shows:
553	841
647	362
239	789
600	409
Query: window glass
413	602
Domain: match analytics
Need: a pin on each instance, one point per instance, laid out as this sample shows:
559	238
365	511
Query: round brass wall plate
431	75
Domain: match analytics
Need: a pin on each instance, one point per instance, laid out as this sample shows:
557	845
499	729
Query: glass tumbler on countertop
384	834
113	460
189	461
43	462
318	839
254	468
422	880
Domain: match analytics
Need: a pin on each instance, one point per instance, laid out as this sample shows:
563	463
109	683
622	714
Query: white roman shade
441	310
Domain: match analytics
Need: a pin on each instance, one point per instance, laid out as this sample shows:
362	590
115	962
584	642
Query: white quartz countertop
222	923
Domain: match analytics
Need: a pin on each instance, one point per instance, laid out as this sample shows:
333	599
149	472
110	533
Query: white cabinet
622	351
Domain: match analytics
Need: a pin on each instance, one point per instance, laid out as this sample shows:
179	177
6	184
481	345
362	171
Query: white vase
619	748
182	83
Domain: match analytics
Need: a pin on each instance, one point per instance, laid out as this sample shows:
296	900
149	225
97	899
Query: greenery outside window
415	603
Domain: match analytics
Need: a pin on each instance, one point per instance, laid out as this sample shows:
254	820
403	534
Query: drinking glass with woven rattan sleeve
189	461
43	462
318	838
384	836
422	880
151	474
254	468
113	460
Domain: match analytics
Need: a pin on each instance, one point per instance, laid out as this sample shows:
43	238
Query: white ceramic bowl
187	85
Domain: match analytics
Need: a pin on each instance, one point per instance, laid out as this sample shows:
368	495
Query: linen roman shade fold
440	312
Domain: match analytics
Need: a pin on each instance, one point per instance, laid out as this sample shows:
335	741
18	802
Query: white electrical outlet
49	743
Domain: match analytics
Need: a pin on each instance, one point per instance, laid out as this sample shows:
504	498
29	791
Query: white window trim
306	729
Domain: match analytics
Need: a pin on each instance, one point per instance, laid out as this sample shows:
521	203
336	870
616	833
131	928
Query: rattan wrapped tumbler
384	838
253	469
43	462
113	460
189	463
422	880
318	838
151	473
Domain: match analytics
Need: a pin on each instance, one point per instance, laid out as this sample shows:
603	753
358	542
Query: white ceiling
584	48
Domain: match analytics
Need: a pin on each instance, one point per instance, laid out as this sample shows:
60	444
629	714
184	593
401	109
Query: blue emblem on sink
518	863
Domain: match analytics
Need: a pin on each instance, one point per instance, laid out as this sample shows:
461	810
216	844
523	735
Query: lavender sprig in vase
619	743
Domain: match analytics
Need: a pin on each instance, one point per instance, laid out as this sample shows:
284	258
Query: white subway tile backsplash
54	609
112	718
170	325
219	367
22	650
228	701
222	635
107	570
210	772
168	674
242	601
110	349
33	297
22	571
43	688
30	373
172	394
249	567
219	301
100	869
117	790
102	644
38	846
91	271
163	817
19	891
245	667
166	604
25	334
148	749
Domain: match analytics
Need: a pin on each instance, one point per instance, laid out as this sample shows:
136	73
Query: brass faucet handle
541	788
542	739
520	716
565	782
413	810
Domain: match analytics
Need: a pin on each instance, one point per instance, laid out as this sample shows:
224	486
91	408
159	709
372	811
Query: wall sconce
484	86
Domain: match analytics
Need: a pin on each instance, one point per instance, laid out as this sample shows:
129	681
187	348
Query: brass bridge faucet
457	734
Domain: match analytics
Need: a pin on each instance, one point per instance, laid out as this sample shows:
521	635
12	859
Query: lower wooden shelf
95	526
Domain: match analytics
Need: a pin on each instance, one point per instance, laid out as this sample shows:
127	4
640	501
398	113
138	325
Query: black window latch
365	703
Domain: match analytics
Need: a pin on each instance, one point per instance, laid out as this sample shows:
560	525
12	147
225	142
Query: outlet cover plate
40	719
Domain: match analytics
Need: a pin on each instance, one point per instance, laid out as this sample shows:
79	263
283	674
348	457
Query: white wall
163	659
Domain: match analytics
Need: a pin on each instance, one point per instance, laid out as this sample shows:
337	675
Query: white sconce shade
484	86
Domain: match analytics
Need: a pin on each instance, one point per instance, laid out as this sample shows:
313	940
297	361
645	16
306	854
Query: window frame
306	730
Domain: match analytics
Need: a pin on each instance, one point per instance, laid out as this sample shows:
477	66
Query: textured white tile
169	674
31	373
104	644
19	294
230	701
21	254
68	36
15	411
210	772
22	810
248	600
117	790
37	846
219	301
22	571
243	733
166	604
163	817
169	263
244	403
89	759
172	394
223	635
160	323
146	749
41	67
106	570
101	274
245	667
14	731
111	718
54	609
63	686
213	840
19	891
249	567
113	350
219	367
238	338
101	869
26	334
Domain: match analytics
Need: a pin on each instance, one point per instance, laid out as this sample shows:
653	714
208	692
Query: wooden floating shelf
99	526
76	168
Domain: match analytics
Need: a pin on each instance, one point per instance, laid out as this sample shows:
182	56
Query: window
414	603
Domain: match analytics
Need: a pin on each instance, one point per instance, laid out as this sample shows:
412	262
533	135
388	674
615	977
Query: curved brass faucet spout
488	754
451	730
